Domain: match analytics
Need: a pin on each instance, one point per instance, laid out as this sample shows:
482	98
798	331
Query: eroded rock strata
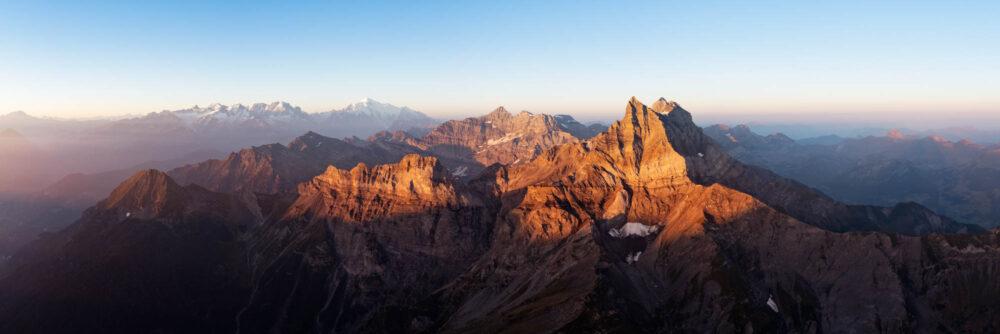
647	227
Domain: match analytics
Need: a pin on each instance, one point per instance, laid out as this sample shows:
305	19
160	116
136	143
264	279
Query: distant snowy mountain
280	118
276	113
368	116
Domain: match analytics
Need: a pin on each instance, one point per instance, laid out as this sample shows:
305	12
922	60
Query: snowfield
634	229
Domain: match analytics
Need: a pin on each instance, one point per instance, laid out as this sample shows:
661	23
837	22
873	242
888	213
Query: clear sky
81	59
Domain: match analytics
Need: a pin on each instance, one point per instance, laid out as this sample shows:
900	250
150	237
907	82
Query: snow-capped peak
372	107
258	112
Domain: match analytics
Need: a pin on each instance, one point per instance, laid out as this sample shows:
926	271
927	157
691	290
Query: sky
805	58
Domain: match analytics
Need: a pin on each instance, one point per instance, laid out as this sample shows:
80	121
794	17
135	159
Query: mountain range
957	179
648	226
101	145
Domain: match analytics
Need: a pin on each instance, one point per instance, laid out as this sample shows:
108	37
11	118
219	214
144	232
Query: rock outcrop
646	227
360	242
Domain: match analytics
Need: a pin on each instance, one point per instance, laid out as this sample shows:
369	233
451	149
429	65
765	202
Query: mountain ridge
648	226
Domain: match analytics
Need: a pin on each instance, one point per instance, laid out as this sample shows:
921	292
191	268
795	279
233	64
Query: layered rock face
465	147
646	227
497	137
361	242
593	244
275	168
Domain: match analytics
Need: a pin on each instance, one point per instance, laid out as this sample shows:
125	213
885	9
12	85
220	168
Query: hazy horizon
452	60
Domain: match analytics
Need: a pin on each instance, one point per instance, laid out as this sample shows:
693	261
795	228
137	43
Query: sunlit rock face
646	227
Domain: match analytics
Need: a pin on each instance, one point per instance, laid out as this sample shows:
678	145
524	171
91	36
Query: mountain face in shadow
953	178
648	226
153	256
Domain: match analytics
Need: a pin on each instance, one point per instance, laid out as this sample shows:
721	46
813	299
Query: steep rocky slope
362	241
641	228
274	168
711	164
611	235
497	137
465	147
152	257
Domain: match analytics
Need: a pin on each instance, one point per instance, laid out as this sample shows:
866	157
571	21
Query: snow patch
771	303
701	155
506	138
633	229
460	171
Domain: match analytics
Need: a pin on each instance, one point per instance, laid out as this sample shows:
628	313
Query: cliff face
611	233
276	168
497	137
647	227
466	147
362	241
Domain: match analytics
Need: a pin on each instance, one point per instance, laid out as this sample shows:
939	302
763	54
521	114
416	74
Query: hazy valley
505	222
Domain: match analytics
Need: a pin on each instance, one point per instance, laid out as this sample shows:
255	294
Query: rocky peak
417	172
895	134
577	129
937	139
414	183
311	141
663	106
642	142
634	150
969	144
500	113
146	194
399	136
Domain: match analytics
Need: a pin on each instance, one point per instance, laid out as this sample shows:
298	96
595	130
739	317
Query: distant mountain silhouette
953	178
647	226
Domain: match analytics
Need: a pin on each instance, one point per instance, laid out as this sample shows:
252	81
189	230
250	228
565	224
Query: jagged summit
414	181
649	226
499	112
663	106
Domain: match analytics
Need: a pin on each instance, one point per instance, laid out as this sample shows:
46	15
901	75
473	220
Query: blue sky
76	59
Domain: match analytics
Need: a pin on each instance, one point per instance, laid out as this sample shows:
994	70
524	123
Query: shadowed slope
152	257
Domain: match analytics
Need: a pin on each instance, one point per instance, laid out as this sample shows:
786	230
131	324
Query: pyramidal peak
500	110
150	191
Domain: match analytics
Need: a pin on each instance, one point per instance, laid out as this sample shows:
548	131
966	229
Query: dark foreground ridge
647	227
